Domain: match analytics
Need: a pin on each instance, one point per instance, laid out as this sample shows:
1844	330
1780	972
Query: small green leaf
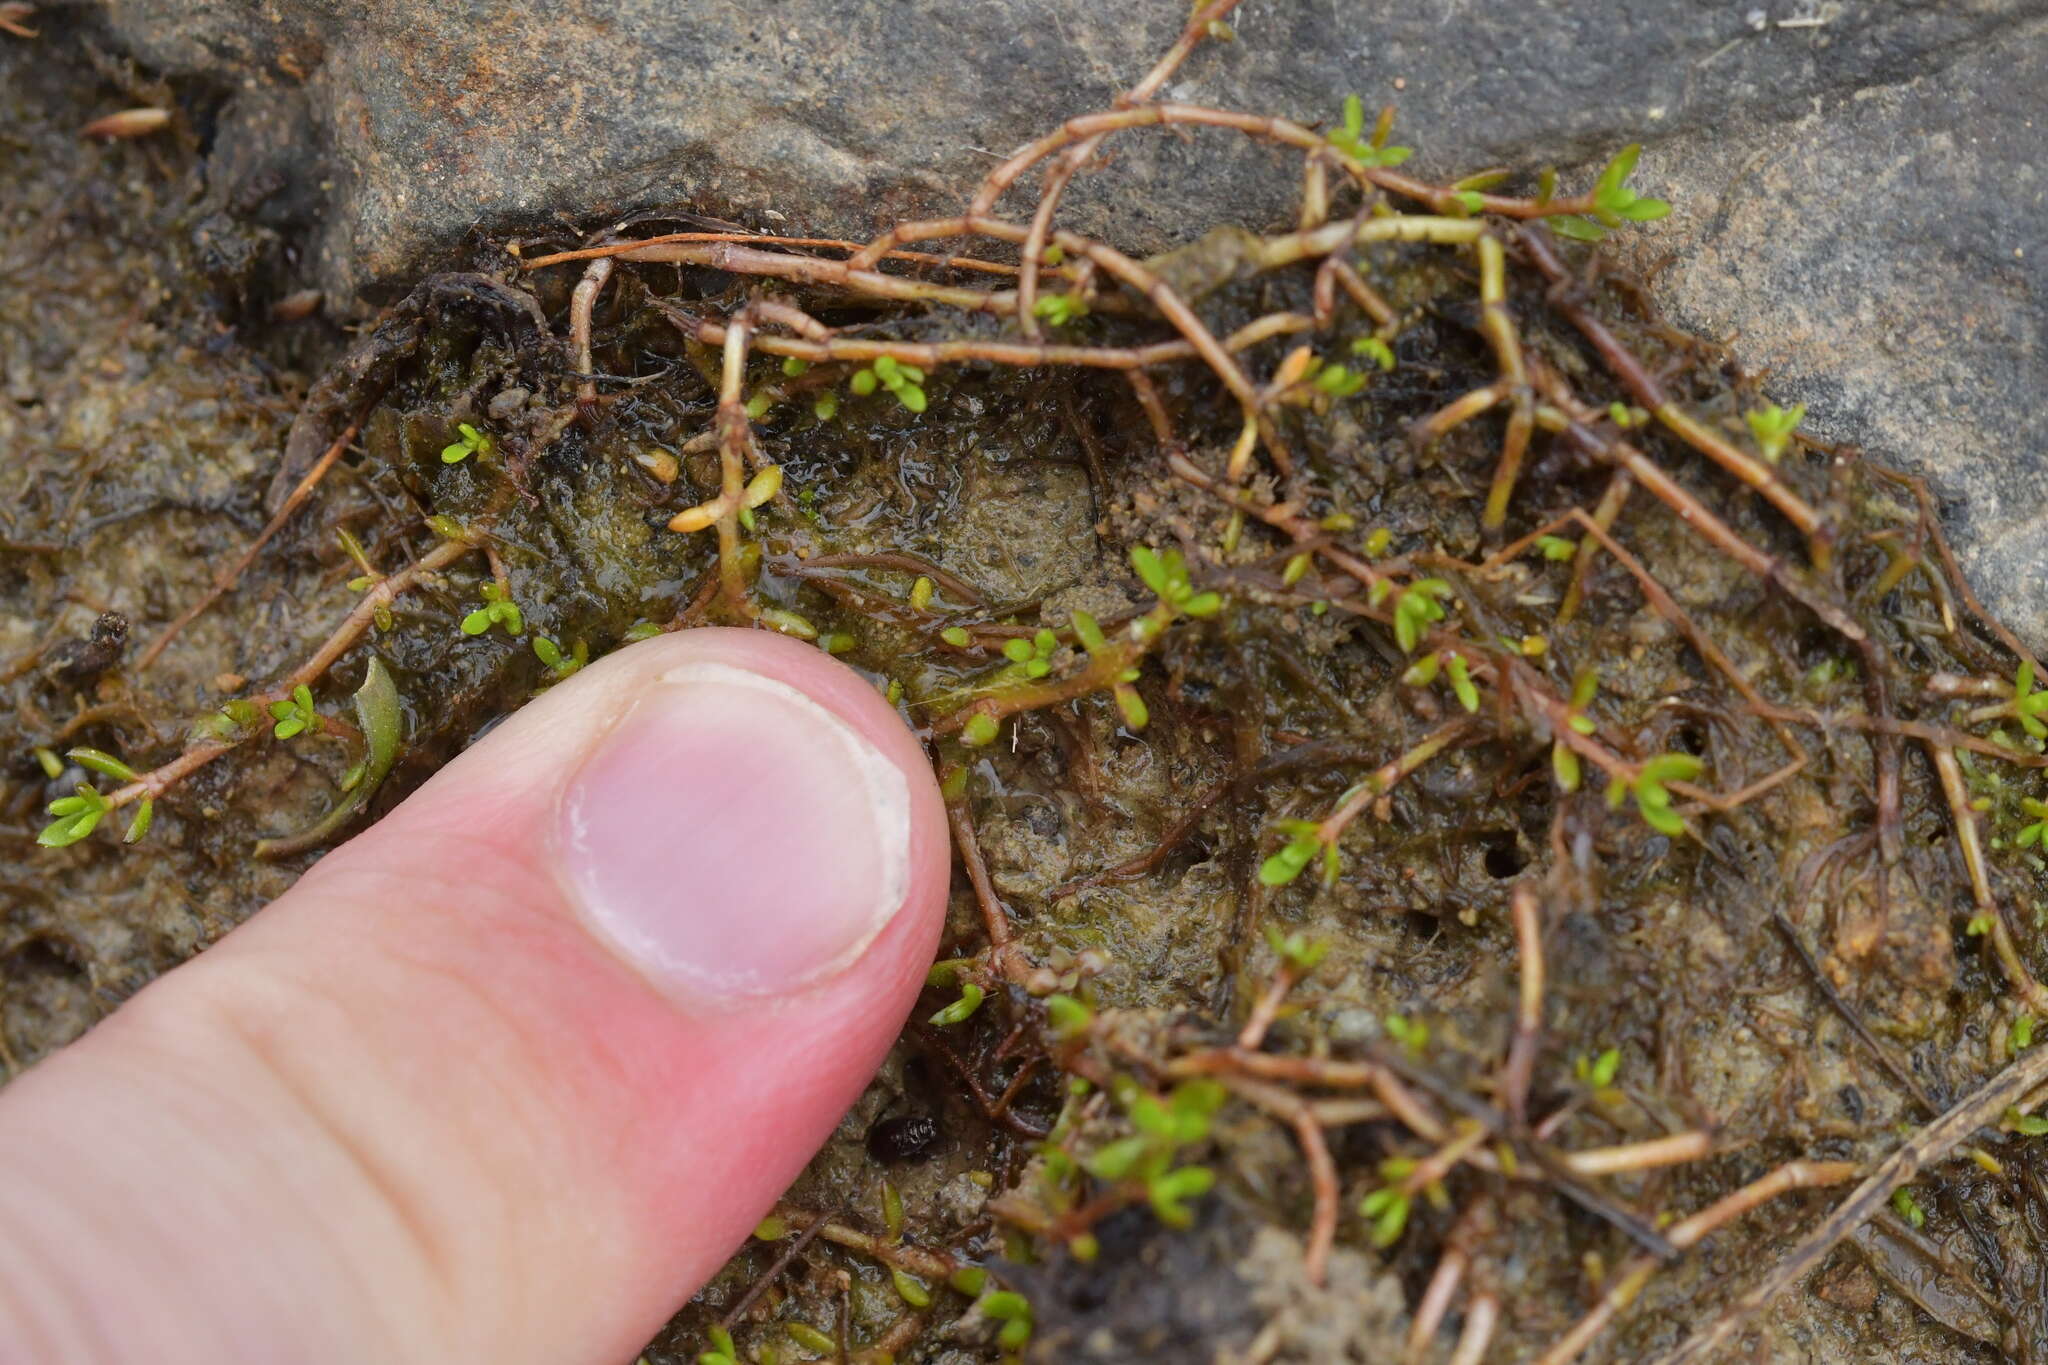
1908	1207
1150	568
1382	355
101	762
1354	116
1060	309
1068	1016
1132	706
1281	868
1089	633
1416	608
1773	426
471	442
810	1338
1169	1192
969	1001
1388	1211
1461	683
1671	768
1411	1034
1663	819
1339	381
65	832
911	1289
1006	1305
1564	765
1623	165
1297	950
1117	1160
2026	1125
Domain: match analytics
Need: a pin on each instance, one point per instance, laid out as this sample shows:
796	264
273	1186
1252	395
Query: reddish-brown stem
1033	252
1482	1316
906	562
582	304
1322	1234
735	433
1284	1104
1612	499
933	354
2003	945
591	253
1674	1150
1388	775
1472	1227
1569	418
746	260
995	916
1526	911
1499	328
1628	1281
158	780
226	579
1253	1034
1647	391
1278	515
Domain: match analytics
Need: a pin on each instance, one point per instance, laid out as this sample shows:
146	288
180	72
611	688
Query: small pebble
506	404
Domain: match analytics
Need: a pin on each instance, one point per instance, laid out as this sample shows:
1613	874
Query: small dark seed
907	1137
76	661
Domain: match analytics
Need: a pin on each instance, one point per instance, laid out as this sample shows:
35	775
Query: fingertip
613	974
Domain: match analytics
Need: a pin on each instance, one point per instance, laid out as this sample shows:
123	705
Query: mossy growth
1441	764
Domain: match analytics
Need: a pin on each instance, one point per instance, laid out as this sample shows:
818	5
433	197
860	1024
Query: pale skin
420	1109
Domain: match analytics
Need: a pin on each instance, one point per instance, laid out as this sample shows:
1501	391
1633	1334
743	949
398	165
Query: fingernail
730	836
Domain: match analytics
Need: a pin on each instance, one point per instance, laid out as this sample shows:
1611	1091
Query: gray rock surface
1858	181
